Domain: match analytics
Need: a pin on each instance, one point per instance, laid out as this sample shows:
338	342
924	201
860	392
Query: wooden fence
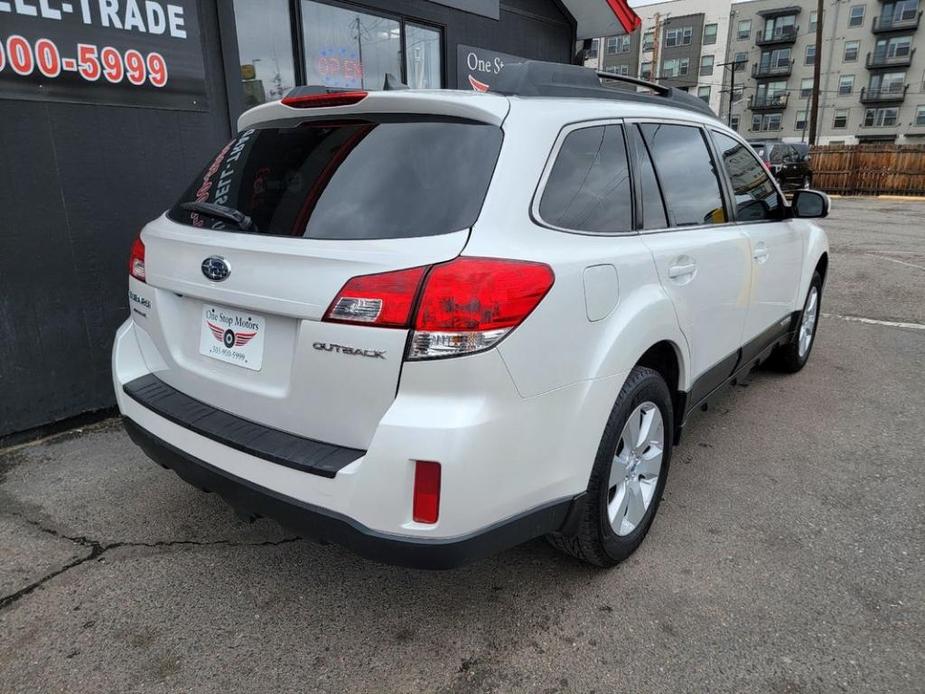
871	169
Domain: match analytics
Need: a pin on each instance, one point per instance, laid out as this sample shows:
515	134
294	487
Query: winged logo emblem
229	337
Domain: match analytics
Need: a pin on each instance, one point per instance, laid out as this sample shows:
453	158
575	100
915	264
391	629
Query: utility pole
817	74
732	82
656	46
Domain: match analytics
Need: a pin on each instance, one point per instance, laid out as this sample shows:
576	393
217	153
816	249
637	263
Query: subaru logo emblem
215	268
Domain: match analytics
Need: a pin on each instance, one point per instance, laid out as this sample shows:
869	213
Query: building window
737	94
618	44
806	87
679	37
896	49
880	117
675	67
611	45
766	122
856	16
851	51
645	70
709	34
422	57
800	123
920	115
740	60
618	69
841	118
595	46
348	48
706	65
648	41
704	93
744	30
810	56
774	62
887	83
780	27
813	20
845	84
734	123
902	11
265	47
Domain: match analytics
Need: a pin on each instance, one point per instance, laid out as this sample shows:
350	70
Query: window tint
351	179
756	198
653	209
687	174
589	186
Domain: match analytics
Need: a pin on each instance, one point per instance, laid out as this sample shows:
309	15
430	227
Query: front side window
709	34
589	188
856	16
851	51
756	198
265	47
653	207
687	173
349	179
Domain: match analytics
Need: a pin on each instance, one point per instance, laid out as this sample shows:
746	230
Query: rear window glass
351	179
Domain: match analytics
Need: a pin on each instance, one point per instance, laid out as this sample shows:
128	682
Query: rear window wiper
229	214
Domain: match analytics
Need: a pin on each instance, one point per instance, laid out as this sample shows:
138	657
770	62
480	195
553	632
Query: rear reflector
465	305
383	300
136	261
324	99
426	504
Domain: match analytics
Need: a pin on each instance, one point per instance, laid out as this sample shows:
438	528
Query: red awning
602	17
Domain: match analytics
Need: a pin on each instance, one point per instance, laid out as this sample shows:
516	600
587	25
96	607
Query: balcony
895	24
890	95
772	102
780	37
876	60
761	71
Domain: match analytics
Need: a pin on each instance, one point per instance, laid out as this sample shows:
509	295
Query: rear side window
588	188
756	197
685	169
350	179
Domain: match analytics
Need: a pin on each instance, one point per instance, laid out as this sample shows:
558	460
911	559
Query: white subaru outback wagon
430	325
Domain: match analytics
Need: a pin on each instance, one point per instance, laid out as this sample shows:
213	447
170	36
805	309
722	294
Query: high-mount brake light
464	305
324	99
383	300
469	304
136	261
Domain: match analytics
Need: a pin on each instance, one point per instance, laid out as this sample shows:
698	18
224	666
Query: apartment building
681	43
871	84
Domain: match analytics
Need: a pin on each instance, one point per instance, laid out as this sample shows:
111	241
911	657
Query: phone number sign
126	52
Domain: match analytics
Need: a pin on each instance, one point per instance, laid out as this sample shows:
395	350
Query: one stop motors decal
131	52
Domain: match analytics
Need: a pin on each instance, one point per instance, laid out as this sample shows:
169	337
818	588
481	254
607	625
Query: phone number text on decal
91	63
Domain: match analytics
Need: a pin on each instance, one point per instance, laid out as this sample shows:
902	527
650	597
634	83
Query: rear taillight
425	506
136	261
324	99
384	300
469	304
465	305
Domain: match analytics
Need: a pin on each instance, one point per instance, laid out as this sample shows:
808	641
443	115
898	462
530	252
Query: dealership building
108	108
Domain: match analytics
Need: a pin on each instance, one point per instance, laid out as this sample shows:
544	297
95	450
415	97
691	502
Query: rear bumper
324	525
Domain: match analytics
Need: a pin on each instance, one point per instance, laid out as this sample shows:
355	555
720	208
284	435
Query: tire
793	356
596	541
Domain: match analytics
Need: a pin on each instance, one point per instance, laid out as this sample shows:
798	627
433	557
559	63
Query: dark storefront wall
77	182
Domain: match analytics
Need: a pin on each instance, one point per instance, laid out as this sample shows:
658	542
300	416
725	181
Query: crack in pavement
98	548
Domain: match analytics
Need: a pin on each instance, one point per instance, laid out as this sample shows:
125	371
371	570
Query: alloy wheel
636	466
808	321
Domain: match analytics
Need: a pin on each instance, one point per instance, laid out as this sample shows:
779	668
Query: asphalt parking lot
787	555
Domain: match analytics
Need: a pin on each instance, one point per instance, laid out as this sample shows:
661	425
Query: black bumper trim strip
280	447
324	525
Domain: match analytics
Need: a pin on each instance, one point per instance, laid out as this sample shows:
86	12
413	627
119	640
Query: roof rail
540	78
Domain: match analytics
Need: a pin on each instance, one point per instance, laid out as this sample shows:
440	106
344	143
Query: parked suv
788	163
430	325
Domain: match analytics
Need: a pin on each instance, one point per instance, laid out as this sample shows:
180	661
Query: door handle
760	254
678	271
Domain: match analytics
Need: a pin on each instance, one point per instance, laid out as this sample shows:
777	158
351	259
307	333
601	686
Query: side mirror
810	204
